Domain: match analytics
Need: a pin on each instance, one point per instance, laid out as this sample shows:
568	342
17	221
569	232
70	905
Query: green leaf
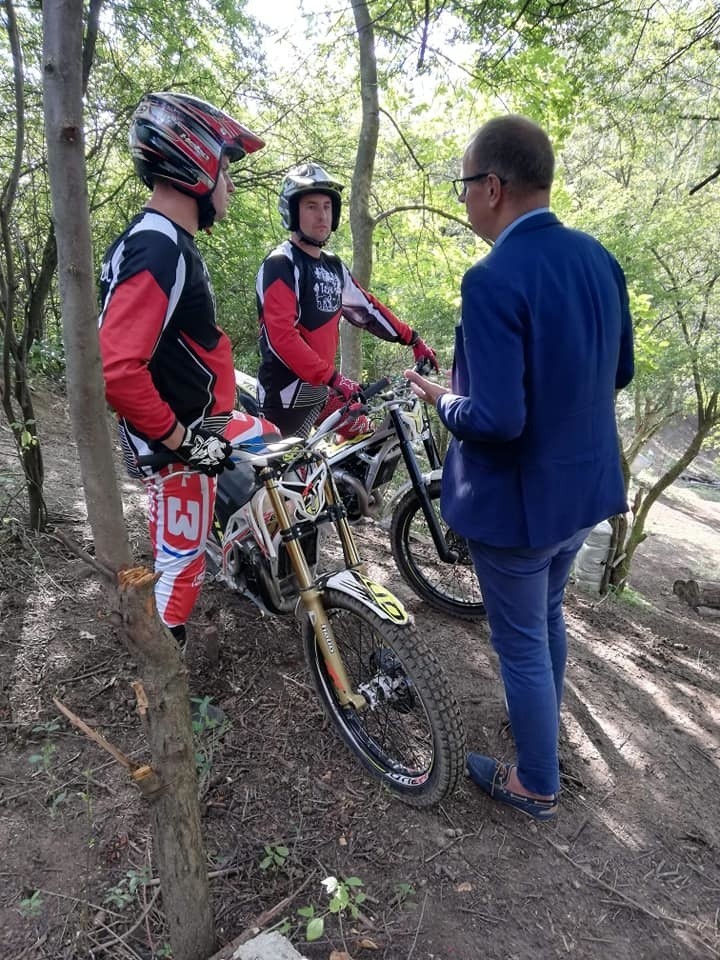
340	900
315	929
306	911
354	881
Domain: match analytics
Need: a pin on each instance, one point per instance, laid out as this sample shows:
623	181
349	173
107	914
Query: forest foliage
627	91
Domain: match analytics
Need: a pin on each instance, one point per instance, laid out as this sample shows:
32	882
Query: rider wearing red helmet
302	292
168	367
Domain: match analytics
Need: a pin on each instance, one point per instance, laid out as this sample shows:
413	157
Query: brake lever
355	409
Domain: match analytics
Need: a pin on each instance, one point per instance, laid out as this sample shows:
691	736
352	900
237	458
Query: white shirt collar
511	226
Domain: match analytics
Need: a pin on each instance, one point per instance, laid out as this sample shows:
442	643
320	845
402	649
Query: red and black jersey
164	357
300	301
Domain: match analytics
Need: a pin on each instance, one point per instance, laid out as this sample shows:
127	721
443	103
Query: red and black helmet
181	140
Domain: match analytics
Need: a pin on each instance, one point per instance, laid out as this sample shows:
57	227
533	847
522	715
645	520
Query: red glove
346	387
423	353
354	425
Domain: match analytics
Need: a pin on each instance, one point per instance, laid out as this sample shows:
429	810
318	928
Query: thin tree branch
409	149
424	37
401	208
703	183
91	34
10	187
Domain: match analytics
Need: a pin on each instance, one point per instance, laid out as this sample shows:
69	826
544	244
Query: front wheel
448	587
410	734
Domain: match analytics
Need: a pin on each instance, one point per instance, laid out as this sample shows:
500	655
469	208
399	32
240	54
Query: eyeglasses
460	183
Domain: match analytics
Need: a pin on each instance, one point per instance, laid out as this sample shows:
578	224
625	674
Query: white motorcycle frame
337	453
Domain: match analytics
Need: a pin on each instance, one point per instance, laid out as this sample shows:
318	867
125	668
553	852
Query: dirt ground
631	869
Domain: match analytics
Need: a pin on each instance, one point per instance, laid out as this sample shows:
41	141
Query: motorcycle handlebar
163	458
372	389
424	367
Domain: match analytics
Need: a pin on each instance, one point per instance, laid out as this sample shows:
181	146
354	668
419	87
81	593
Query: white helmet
307	178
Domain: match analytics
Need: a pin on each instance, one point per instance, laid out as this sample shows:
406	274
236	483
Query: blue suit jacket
544	341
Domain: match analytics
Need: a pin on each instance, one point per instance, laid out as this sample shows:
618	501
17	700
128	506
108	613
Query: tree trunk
14	354
619	530
361	222
164	707
34	478
68	182
644	501
163	695
24	430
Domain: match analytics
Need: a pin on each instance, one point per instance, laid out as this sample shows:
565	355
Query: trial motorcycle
433	559
377	679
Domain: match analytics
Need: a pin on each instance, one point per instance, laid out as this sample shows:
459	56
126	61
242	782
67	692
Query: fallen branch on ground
624	900
141	775
262	920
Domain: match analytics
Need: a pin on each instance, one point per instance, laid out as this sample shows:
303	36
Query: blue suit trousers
523	592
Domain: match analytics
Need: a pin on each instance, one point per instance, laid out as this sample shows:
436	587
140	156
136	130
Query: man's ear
495	189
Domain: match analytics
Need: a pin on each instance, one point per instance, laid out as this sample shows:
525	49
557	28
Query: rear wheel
410	735
449	587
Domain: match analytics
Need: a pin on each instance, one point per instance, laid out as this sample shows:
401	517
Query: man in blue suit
545	340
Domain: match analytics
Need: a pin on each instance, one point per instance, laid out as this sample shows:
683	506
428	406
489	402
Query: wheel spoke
403	739
455	583
409	734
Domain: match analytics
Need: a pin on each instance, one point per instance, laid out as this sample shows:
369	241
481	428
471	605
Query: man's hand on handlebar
347	388
424	388
351	390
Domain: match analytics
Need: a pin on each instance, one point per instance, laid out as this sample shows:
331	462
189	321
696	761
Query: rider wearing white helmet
302	291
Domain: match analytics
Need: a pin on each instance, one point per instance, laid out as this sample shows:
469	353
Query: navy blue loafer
492	776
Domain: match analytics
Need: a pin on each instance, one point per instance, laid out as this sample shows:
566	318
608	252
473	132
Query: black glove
206	452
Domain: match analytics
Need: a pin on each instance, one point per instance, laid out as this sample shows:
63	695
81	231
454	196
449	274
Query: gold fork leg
312	601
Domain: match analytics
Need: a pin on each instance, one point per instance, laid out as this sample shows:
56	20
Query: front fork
310	595
446	554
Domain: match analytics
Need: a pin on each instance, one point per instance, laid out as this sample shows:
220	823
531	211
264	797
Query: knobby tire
448	587
412	737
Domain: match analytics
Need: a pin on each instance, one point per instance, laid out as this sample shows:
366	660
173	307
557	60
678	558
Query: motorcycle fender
428	478
367	591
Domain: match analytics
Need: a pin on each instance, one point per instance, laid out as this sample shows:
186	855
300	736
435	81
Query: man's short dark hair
516	149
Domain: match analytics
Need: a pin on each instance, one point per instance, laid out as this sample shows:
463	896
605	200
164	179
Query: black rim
393	733
460	586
